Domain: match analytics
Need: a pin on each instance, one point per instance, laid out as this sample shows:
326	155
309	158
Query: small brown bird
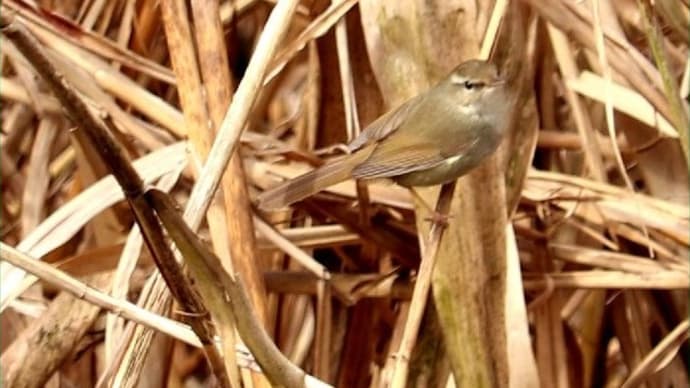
431	139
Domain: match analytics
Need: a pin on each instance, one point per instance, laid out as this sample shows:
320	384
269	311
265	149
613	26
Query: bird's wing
398	161
383	126
401	146
405	151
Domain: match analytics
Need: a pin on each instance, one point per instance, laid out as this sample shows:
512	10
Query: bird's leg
434	216
333	149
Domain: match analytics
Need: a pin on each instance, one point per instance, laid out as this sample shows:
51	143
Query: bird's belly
449	170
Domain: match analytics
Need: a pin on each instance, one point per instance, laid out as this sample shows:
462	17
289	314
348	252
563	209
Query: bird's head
476	82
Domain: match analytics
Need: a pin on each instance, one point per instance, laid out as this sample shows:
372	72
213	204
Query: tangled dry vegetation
564	264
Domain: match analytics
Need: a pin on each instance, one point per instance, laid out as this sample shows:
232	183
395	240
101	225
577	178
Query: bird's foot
434	216
439	219
336	148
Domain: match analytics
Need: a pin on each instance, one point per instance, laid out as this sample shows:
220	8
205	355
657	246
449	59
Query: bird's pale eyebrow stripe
457	79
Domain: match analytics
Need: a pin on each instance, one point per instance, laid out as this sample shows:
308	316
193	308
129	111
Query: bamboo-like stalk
195	107
215	73
421	290
236	116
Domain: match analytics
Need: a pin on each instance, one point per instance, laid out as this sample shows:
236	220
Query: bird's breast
444	172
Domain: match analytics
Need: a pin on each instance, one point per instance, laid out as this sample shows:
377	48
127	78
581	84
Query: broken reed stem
279	370
420	293
128	179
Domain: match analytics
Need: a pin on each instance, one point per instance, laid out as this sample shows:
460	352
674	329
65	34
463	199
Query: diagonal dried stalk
274	364
195	107
90	294
421	289
121	279
56	24
237	114
66	222
128	179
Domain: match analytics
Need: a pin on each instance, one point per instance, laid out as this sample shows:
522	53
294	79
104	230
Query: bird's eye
469	85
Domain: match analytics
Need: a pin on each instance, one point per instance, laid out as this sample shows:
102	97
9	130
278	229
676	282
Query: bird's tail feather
305	185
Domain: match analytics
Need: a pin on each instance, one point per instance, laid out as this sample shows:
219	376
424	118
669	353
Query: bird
431	139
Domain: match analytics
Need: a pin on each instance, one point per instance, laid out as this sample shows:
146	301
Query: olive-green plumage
432	138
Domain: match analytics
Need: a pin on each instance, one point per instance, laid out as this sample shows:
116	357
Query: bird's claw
438	218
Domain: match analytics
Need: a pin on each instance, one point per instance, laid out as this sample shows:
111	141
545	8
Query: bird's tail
310	183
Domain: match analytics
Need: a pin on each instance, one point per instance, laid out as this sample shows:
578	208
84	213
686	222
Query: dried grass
601	228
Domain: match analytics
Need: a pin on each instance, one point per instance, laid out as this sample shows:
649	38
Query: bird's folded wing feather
392	158
403	152
384	125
